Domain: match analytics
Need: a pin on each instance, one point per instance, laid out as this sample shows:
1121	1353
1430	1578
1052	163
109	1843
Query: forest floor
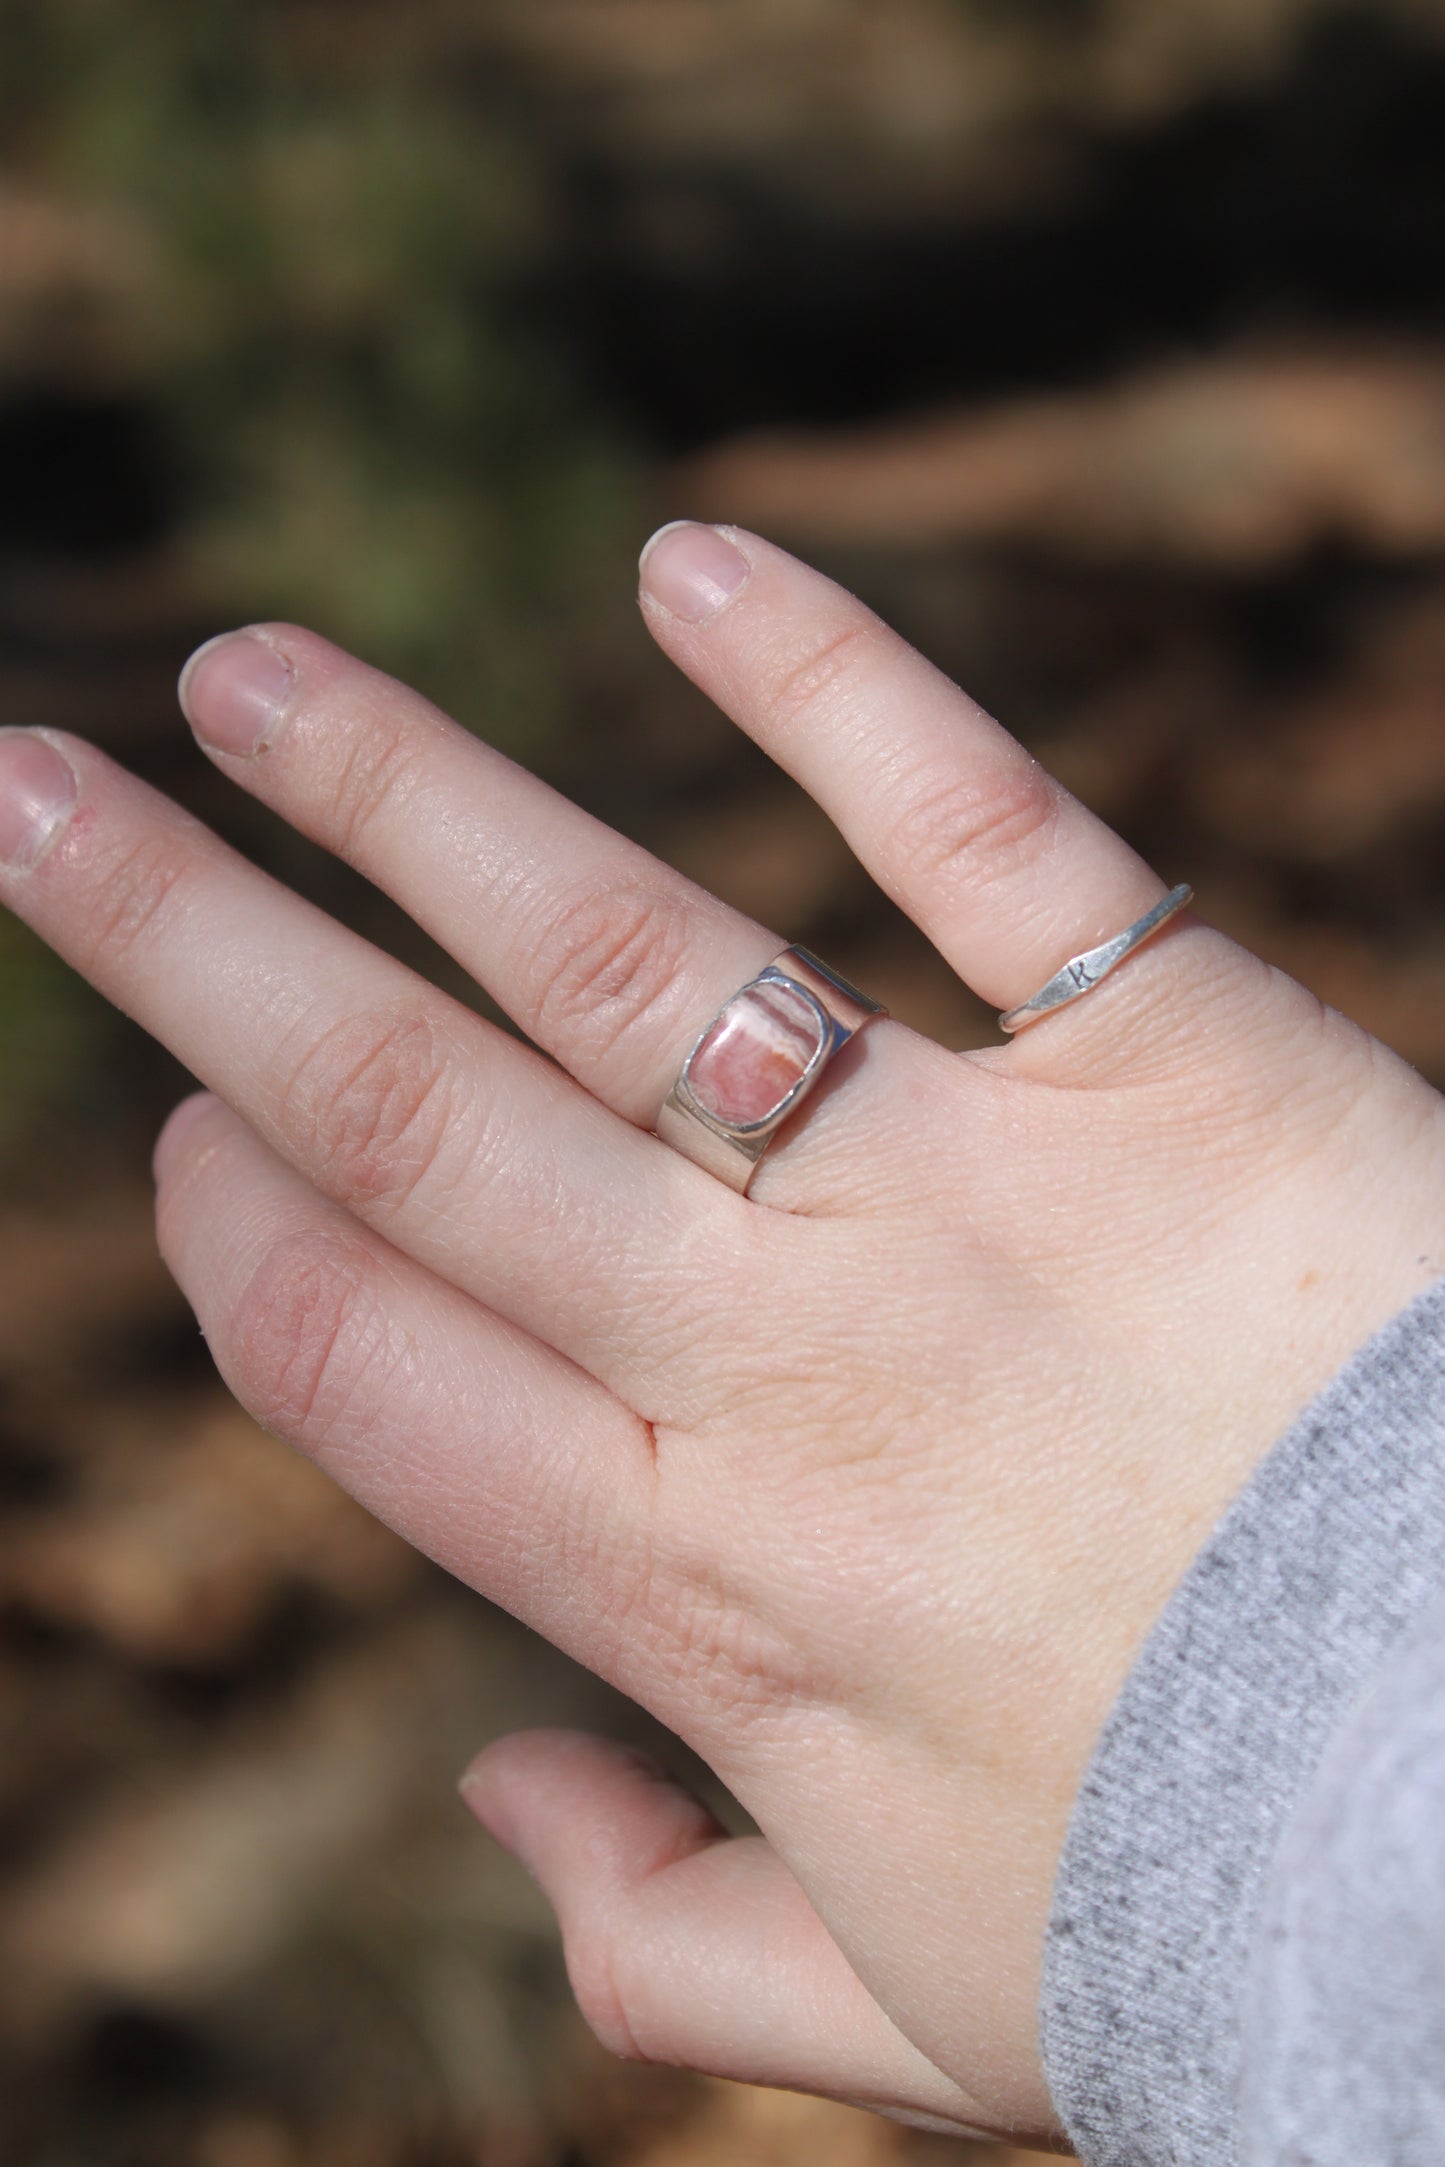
1076	354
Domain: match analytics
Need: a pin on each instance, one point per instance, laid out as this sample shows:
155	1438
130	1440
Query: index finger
467	1149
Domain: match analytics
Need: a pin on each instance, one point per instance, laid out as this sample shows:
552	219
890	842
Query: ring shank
1083	972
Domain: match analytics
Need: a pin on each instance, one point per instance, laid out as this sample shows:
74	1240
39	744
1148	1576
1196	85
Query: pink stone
747	1062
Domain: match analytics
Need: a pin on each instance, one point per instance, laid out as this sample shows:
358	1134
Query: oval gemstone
748	1061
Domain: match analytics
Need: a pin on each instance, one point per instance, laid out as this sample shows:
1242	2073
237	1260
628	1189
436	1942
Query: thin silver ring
1082	973
809	1014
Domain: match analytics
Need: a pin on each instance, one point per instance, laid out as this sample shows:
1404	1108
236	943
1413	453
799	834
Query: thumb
689	1946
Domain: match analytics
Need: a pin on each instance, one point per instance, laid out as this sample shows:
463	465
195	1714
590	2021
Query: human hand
870	1485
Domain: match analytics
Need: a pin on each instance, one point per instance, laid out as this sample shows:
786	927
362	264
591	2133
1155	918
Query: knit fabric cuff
1276	1632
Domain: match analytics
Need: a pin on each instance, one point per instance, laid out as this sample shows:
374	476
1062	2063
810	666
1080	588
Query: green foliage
54	1038
368	433
364	429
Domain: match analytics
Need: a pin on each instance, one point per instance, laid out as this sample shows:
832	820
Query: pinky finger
689	1946
489	1451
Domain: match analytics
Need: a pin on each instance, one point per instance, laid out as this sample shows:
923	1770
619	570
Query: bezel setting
823	1051
732	1149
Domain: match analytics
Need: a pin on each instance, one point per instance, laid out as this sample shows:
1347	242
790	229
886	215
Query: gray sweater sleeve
1246	1960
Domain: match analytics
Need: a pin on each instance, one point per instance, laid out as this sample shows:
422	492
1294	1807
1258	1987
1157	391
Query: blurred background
1099	343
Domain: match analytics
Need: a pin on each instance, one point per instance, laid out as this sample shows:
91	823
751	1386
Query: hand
871	1484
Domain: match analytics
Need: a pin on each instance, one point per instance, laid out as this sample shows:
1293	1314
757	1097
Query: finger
606	957
603	955
487	1450
465	1148
688	1946
1004	870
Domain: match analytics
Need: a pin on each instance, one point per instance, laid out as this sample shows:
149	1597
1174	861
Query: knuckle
728	1656
829	669
306	1328
375	773
132	899
370	1106
604	963
712	1646
963	821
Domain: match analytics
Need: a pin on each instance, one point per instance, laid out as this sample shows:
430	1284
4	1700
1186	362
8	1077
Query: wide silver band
731	1150
1082	973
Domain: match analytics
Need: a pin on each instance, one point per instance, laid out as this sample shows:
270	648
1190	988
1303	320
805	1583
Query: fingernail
487	1809
235	693
178	1127
38	793
691	571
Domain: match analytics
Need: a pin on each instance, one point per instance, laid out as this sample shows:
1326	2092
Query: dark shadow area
1318	200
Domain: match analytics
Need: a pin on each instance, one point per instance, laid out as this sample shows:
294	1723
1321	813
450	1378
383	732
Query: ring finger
607	958
475	1442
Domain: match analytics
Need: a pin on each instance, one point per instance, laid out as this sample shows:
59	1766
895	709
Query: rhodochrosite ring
757	1061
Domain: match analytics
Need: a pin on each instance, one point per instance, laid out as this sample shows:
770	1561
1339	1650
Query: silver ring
757	1061
1082	973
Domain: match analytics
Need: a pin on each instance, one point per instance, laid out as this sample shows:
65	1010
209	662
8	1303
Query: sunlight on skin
870	1486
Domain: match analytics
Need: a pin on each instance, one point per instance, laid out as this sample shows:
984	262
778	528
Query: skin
870	1485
